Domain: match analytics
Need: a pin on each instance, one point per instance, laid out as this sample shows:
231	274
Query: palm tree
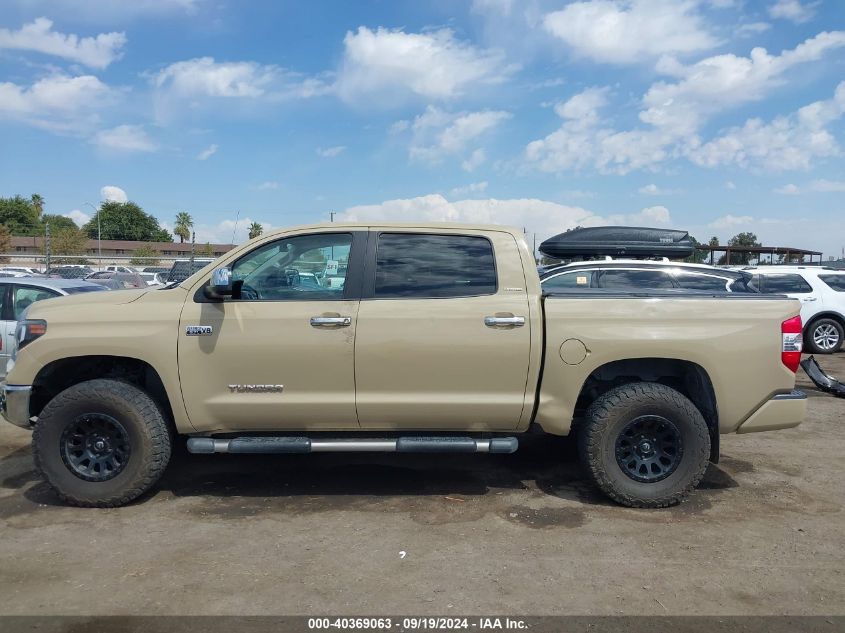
255	229
183	225
37	202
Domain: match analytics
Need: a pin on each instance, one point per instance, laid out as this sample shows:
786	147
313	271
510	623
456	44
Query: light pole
99	241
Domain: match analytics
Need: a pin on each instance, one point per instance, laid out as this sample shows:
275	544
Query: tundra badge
198	330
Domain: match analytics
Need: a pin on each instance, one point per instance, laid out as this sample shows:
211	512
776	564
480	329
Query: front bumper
783	411
14	404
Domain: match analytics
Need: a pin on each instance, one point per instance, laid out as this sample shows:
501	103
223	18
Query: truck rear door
443	337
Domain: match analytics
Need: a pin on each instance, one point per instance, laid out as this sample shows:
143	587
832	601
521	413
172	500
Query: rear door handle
323	321
504	321
808	299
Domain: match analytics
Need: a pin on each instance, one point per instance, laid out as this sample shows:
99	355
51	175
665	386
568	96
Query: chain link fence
166	269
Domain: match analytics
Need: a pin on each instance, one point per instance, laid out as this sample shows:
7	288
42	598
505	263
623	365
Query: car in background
634	274
17	294
117	281
70	271
114	268
821	291
155	269
154	278
182	268
22	270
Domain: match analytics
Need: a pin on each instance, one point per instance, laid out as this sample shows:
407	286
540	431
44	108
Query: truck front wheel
101	443
644	444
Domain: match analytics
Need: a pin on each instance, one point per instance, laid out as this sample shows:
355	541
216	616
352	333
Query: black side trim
270	445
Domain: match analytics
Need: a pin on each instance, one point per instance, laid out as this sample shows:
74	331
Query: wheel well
687	377
57	376
826	315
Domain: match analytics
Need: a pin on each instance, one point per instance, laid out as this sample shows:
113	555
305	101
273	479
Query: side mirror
220	285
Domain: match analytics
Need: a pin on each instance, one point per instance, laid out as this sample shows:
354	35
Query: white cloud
268	185
728	221
384	66
628	31
837	186
438	134
787	143
110	193
793	10
472	188
79	217
752	28
537	216
58	103
331	152
787	190
729	184
208	152
222	232
125	138
654	190
475	160
39	36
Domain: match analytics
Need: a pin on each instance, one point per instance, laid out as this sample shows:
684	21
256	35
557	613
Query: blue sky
715	116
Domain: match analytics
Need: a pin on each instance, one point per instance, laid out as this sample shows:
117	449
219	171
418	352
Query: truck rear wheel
101	443
645	445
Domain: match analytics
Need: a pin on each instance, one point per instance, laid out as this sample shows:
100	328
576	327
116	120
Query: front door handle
326	321
504	321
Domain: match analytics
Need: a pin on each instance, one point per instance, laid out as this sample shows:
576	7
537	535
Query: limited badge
198	330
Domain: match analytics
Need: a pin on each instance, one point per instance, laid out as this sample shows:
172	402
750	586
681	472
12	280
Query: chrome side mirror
220	285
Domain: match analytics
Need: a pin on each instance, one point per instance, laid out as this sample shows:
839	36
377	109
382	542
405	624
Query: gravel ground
522	534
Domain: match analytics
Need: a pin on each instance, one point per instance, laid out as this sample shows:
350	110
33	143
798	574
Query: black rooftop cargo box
630	241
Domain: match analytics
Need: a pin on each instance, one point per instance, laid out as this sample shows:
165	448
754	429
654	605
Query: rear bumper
14	404
783	411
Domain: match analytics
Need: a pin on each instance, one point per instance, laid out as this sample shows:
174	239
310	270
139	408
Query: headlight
27	331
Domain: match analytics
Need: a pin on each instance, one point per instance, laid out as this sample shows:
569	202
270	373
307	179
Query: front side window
304	268
636	279
781	284
574	279
415	265
835	282
25	297
692	281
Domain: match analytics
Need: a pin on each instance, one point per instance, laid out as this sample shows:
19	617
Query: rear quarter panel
736	340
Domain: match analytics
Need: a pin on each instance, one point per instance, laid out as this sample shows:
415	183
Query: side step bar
263	445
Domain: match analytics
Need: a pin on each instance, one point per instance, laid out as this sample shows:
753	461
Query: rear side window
836	282
574	279
415	265
627	279
779	284
691	281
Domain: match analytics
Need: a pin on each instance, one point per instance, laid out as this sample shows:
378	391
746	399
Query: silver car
18	293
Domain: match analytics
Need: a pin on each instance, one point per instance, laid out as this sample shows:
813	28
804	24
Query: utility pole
331	216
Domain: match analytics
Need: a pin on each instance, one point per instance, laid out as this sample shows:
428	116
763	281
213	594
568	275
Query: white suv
822	294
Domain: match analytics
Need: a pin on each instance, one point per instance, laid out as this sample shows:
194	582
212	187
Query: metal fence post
47	248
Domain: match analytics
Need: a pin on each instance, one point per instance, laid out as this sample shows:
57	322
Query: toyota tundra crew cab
402	338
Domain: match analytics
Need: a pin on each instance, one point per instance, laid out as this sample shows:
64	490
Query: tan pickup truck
402	338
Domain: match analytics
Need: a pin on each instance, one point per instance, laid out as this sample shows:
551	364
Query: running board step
263	445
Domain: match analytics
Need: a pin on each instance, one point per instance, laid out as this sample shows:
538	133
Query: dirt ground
521	534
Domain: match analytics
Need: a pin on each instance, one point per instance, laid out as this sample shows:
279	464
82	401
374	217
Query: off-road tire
148	436
606	418
810	342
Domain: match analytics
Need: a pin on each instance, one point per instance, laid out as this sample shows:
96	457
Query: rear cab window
431	266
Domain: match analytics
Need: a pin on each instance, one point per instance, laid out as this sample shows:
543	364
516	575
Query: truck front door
443	338
279	353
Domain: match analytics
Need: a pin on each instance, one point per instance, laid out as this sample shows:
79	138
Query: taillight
793	341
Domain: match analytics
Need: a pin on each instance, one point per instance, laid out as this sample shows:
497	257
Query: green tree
5	243
145	256
37	203
206	251
255	229
67	241
126	221
57	222
698	256
746	239
19	217
184	224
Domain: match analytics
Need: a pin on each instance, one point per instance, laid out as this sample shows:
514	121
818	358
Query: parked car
154	279
71	271
121	269
26	270
630	274
17	294
117	281
436	342
182	269
821	291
